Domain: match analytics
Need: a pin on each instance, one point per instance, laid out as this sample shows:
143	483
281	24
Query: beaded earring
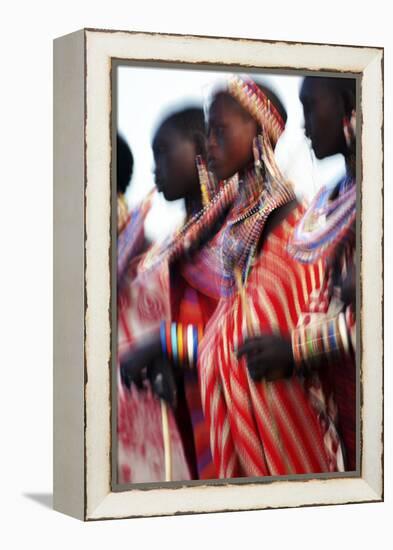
349	130
203	176
257	148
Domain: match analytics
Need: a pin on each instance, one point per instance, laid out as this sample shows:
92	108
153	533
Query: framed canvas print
218	274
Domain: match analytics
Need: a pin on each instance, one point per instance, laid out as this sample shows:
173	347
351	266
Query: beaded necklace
190	233
262	191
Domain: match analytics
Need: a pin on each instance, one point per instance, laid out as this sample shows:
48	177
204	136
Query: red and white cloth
262	428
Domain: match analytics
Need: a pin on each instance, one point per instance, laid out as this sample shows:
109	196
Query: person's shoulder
289	213
279	222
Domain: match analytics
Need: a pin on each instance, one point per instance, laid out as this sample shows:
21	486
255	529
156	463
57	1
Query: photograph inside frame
236	275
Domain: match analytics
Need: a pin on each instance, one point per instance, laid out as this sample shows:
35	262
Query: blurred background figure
125	166
152	294
131	239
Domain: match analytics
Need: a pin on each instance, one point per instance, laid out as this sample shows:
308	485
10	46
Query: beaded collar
326	223
258	197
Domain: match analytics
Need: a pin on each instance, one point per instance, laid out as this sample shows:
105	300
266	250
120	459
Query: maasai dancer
260	423
156	294
180	173
324	341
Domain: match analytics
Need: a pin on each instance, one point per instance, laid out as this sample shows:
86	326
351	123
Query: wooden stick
167	441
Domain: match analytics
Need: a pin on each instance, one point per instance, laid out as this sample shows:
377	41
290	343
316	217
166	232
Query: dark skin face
175	171
230	135
324	110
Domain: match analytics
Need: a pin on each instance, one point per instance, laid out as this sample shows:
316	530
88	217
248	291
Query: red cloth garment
261	428
143	303
191	307
336	366
343	369
338	378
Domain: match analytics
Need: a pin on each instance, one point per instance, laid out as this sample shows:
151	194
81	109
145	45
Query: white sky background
146	96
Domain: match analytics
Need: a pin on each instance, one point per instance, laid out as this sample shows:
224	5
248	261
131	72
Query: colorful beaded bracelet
180	343
312	343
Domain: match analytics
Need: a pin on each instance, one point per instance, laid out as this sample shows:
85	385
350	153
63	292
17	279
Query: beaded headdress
258	105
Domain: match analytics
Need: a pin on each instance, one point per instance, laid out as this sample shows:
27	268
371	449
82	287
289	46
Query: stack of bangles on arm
318	341
180	343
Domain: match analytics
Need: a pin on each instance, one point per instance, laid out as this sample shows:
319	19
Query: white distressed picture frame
82	271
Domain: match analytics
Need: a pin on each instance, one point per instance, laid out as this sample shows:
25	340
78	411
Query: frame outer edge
68	289
101	502
372	271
